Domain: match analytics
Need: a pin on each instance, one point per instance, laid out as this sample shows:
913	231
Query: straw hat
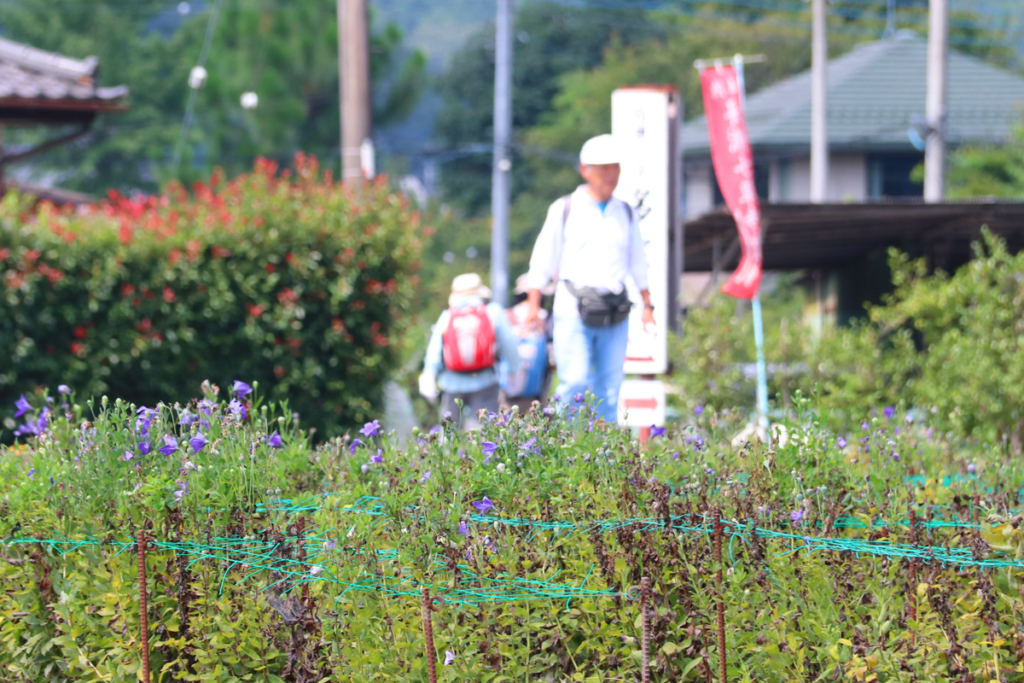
467	285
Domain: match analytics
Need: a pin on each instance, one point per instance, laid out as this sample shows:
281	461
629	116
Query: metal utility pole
354	87
819	108
935	101
501	171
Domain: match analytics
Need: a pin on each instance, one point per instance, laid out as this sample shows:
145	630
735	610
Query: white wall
847	179
700	189
789	181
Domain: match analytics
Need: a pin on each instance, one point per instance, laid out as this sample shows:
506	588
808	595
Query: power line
211	26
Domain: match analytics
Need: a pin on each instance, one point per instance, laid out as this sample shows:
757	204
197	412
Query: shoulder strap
566	206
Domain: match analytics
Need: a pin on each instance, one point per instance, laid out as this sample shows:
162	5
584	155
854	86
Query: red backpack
468	345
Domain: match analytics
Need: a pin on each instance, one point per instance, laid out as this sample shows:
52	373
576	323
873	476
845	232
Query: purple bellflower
182	490
483	506
356	443
275	440
657	431
449	657
64	390
22	405
237	409
170	445
197	442
370	429
241	389
489	448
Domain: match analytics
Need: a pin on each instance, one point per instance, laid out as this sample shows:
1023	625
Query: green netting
378	571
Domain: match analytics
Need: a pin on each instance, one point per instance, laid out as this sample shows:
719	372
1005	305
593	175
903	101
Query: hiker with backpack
465	346
590	245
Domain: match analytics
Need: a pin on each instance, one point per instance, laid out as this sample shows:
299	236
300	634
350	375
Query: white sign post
645	119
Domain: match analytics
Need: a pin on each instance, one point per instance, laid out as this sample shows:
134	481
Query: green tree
990	170
551	41
287	54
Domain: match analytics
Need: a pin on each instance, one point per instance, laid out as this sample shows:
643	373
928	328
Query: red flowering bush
291	280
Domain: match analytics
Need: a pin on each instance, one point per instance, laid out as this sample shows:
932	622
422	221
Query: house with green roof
876	101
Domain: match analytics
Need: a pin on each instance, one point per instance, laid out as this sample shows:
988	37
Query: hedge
289	279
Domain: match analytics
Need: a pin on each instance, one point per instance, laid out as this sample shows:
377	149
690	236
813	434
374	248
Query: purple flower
549	410
865	426
657	431
841	442
144	421
330	545
796	516
709	470
463	529
51	481
356	443
675	456
128	455
182	490
241	389
578	398
909	419
237	409
425	477
370	429
170	445
22	405
197	442
489	448
377	458
972	468
187	419
144	447
449	657
698	411
206	407
896	457
888	412
483	506
34	427
32	473
762	509
64	389
530	446
275	440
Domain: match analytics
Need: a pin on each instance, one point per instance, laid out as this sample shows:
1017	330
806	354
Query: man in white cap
590	245
465	346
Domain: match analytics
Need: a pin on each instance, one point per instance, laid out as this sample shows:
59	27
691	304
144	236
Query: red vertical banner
734	169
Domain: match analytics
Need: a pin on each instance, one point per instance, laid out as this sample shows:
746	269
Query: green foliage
988	171
287	54
950	344
246	585
302	285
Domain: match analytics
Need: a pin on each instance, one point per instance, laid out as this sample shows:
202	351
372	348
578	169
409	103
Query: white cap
603	149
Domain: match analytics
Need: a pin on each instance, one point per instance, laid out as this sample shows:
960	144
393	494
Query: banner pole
755	303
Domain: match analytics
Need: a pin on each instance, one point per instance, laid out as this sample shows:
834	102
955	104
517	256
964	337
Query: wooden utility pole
819	106
354	86
935	101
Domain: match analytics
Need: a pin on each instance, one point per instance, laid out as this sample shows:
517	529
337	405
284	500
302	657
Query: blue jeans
590	358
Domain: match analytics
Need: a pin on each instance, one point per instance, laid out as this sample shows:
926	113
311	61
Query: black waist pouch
600	310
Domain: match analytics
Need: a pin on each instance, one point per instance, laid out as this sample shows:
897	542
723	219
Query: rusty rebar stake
428	634
720	607
645	623
143	609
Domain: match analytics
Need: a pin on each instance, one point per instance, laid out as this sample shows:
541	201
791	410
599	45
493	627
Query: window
889	175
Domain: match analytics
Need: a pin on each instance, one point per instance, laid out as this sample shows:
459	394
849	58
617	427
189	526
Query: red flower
145	326
174	256
80	332
287	297
270	268
127	290
255	310
169	295
4	254
77	348
220	252
278	371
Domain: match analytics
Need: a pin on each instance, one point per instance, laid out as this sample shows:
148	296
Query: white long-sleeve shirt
600	247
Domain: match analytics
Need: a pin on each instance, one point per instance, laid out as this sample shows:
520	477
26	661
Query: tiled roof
875	93
30	74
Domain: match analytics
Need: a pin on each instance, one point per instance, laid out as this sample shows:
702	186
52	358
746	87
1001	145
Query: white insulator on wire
250	100
197	77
